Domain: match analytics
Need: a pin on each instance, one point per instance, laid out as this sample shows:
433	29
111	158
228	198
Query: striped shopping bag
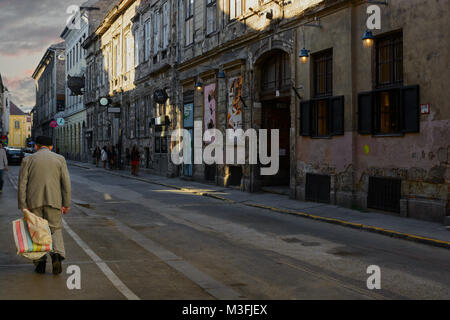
24	244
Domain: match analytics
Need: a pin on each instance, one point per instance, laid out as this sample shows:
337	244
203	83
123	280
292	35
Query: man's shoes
56	263
40	266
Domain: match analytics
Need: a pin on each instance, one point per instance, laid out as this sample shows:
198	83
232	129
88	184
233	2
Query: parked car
14	156
28	151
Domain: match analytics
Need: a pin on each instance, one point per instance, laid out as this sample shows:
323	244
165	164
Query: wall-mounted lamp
368	39
304	55
199	85
221	75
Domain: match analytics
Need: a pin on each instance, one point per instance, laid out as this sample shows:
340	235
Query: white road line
102	265
98	261
203	280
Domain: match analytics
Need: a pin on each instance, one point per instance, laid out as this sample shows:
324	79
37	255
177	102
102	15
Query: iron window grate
384	194
318	188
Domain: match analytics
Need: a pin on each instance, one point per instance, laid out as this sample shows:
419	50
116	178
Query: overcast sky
27	29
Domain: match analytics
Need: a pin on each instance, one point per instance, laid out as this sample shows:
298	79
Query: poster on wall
210	108
234	116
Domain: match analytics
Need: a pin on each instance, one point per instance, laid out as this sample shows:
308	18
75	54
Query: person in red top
135	160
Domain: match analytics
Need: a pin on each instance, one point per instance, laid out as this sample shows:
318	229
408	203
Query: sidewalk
409	229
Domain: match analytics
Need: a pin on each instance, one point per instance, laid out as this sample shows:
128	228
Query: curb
382	231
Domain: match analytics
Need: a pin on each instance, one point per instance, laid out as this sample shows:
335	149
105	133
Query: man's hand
6	168
23	210
65	210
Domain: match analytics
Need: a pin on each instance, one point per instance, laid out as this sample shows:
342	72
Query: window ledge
324	137
381	135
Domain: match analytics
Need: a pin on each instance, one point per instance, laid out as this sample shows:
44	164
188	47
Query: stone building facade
4	109
70	136
361	127
110	74
49	76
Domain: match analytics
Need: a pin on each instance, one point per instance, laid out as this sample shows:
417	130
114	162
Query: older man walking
3	165
44	189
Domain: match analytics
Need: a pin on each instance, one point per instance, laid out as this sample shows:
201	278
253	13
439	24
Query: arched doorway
274	88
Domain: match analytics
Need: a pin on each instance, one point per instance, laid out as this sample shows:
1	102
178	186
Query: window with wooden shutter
305	118
365	118
337	115
410	109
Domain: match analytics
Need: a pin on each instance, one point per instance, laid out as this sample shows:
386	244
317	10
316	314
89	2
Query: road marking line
203	280
98	261
102	265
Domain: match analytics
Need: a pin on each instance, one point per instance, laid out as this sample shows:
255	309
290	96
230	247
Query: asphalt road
135	240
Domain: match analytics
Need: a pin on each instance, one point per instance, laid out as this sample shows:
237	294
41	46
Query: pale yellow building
19	127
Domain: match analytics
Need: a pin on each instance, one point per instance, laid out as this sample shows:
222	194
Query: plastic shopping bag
24	244
38	228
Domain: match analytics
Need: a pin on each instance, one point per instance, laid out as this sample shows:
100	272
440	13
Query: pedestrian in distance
44	189
113	158
128	155
3	165
97	155
104	157
135	160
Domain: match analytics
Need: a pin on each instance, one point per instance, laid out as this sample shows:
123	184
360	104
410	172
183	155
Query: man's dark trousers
1	179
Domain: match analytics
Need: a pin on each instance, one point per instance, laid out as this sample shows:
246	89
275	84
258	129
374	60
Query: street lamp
199	85
304	55
368	39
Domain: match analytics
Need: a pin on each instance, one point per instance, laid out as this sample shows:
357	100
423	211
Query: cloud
28	28
22	90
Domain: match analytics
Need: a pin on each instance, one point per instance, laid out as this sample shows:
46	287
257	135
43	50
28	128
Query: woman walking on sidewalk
135	160
104	157
96	155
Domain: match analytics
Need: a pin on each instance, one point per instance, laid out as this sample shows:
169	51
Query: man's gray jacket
3	159
44	181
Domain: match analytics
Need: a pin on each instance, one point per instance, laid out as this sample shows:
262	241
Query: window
136	49
165	25
129	52
235	7
147	115
392	108
147	39
189	22
156	32
276	73
323	73
104	69
389	60
17	124
117	57
323	115
211	16
387	112
137	107
319	124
